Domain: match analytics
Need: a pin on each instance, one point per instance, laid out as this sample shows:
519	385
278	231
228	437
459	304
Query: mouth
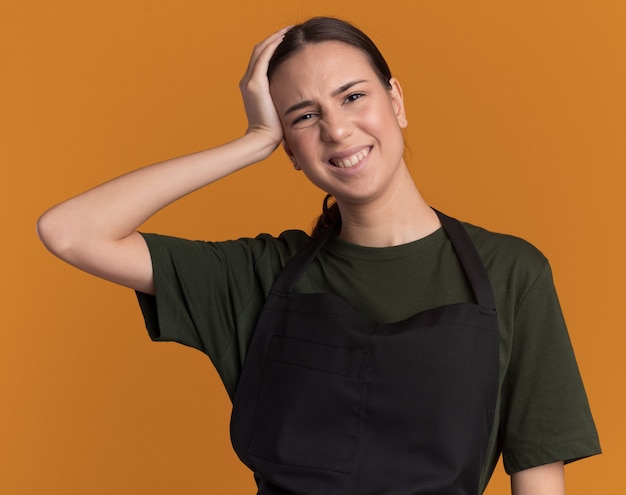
351	160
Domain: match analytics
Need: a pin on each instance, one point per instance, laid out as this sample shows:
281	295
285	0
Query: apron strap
287	278
471	262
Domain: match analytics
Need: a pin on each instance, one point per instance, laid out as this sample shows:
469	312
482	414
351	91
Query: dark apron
330	402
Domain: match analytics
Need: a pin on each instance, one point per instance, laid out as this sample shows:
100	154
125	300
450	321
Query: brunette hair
317	30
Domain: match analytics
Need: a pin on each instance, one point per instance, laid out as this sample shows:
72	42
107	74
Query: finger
272	38
261	49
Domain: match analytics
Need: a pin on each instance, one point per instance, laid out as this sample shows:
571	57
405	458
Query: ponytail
330	215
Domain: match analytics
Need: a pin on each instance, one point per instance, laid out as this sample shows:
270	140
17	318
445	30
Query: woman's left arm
548	479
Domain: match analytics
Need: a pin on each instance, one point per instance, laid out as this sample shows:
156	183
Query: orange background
517	122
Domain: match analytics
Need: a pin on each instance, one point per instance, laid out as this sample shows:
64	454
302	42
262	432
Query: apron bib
330	402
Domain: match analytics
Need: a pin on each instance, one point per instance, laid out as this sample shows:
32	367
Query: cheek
387	124
379	119
301	143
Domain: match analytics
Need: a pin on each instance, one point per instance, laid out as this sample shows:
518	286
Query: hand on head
254	86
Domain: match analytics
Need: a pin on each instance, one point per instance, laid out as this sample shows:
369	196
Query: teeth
352	160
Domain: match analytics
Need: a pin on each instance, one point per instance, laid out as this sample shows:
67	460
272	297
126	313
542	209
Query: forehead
320	67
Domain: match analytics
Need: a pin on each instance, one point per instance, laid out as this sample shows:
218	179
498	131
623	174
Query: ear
290	155
397	100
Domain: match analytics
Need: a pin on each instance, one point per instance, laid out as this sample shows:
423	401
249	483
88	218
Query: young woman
395	350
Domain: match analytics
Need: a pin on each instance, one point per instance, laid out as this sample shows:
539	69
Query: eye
353	97
302	118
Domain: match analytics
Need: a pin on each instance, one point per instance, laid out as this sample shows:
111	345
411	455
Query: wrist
260	144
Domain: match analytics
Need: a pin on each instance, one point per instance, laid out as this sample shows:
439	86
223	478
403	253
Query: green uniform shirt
209	296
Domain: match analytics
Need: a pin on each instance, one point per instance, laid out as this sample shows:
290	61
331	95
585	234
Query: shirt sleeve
208	295
200	287
545	415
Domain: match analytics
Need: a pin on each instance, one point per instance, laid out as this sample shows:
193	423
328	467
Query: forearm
114	210
548	479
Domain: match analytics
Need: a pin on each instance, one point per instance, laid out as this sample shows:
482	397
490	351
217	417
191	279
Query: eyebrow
338	91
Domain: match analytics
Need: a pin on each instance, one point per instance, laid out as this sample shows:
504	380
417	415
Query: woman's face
342	127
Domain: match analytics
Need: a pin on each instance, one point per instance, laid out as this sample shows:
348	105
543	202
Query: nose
335	126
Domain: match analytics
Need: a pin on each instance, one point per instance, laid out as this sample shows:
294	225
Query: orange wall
516	122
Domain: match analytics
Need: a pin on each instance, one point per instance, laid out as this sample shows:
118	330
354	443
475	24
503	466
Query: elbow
53	233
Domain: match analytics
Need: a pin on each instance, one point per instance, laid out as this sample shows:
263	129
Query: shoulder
505	250
515	266
284	245
266	251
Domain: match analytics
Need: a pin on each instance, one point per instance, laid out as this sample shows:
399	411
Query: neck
400	217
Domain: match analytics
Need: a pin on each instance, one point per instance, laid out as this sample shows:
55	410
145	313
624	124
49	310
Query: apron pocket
309	404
